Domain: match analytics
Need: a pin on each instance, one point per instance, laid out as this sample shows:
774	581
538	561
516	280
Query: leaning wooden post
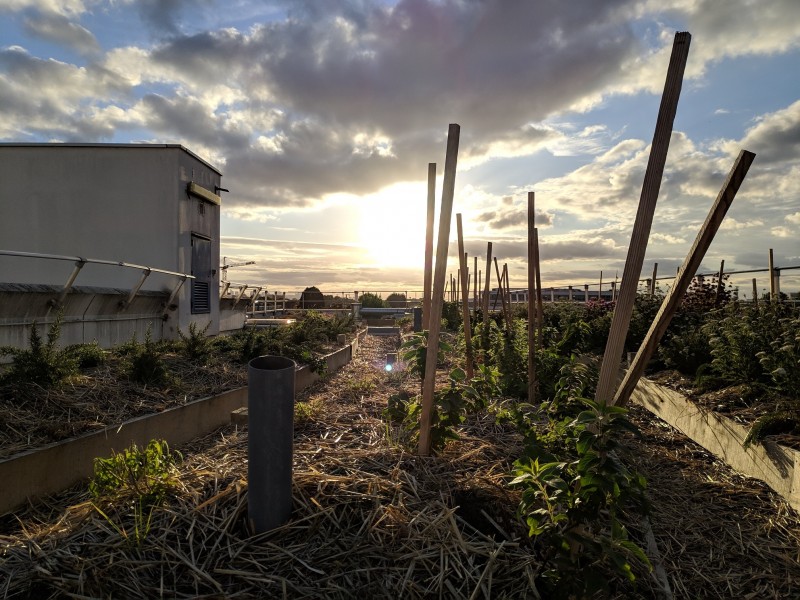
500	291
755	291
426	292
429	383
644	219
532	384
539	305
773	294
465	298
720	284
507	295
485	303
653	280
686	273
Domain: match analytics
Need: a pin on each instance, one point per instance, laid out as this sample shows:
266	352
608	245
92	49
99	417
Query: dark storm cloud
513	218
60	30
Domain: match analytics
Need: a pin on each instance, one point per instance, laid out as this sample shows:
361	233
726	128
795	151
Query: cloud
163	16
793	218
59	29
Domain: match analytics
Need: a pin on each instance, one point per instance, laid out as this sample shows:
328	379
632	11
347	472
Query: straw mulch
371	520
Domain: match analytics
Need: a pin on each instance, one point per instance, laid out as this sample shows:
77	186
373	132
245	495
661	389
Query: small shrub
42	362
147	364
86	356
195	345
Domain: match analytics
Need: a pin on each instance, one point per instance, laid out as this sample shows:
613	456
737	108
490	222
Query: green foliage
414	352
147	363
195	345
770	424
451	316
573	506
148	473
370	300
86	355
685	350
782	361
42	362
509	352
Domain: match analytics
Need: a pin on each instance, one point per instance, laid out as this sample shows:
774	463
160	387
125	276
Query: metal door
201	269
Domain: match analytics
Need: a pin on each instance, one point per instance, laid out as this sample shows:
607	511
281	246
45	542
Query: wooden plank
428	278
437	297
773	294
644	218
685	275
653	280
532	383
501	293
465	299
775	465
475	283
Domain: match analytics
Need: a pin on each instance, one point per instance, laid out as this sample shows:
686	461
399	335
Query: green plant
195	345
770	424
451	316
414	352
782	361
147	363
42	362
573	506
148	473
86	355
370	300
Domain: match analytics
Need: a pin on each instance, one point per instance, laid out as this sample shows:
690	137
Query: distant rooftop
97	145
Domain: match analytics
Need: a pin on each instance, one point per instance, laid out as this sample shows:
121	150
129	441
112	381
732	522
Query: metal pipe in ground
270	434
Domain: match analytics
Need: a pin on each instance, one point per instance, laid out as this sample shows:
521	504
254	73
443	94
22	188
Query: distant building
153	205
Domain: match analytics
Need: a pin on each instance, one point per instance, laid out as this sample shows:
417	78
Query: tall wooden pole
465	298
720	284
685	275
773	294
501	292
532	384
475	284
507	296
755	291
445	216
644	219
586	293
486	292
539	304
428	279
600	292
653	280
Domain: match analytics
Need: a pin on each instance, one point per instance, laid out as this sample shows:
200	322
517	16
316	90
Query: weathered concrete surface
775	465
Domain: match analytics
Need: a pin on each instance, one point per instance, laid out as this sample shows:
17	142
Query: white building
148	205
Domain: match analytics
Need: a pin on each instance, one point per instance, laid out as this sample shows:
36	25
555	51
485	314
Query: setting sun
392	227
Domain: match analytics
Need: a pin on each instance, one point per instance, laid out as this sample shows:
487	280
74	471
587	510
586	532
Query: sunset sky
323	116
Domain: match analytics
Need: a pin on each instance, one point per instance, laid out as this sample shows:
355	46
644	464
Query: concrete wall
89	314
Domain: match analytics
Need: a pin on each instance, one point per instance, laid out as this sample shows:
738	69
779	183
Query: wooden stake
475	283
586	293
465	298
773	294
673	298
653	280
532	383
445	216
507	296
600	293
486	292
755	291
539	304
720	284
644	219
570	293
428	278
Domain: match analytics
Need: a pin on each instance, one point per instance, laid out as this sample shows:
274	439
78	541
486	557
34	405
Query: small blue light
388	367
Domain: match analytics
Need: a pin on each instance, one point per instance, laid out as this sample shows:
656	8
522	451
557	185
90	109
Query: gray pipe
270	434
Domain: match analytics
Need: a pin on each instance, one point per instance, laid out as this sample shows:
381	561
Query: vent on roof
201	297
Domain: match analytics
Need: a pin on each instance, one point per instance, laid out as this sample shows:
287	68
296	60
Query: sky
323	117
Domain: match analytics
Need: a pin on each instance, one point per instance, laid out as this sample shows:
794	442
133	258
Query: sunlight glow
392	228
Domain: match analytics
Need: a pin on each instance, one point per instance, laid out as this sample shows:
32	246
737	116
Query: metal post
174	293
68	285
125	303
271	387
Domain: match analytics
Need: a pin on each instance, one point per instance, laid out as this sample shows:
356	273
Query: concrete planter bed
772	463
54	467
